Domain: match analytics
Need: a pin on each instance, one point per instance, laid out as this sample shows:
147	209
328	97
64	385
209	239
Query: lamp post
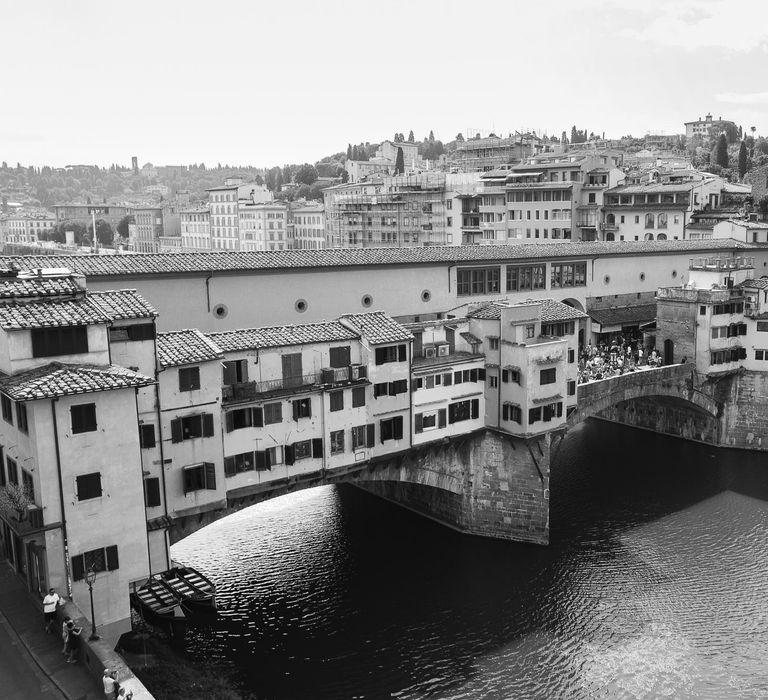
90	578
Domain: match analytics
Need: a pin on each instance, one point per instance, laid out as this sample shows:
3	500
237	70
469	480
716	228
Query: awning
549	399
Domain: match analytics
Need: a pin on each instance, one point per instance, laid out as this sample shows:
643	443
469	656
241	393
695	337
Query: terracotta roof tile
624	314
122	303
59	379
761	283
185	347
30	287
51	312
162	263
378	328
277	336
551	310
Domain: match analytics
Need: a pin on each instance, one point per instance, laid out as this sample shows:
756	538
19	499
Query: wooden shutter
397	427
258	417
418	344
457	377
475	408
473	375
261	460
267	459
447	379
392	388
296	410
189	486
370	435
210	474
229	373
452	413
289	454
317	447
229	421
441	415
401	353
78	567
229	466
340	357
481	374
147	435
207	424
419	420
381	356
112	560
152	492
176	433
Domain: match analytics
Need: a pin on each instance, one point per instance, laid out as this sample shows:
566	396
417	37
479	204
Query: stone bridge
490	483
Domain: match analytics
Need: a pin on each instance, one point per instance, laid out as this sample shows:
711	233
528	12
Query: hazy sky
266	83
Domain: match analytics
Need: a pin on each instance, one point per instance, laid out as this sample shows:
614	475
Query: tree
431	135
459	138
122	225
721	151
278	178
762	205
355	154
306	174
411	137
397	138
399	162
349	151
742	160
104	233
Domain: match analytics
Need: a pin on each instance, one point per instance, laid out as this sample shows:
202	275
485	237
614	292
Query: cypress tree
411	137
742	160
399	162
721	151
349	151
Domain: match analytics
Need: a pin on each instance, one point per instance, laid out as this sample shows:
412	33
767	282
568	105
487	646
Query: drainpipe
208	289
141	462
67	571
162	452
499	382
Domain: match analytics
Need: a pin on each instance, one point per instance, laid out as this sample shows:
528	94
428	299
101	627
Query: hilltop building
708	129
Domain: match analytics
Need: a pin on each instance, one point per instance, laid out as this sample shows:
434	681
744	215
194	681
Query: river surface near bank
655	584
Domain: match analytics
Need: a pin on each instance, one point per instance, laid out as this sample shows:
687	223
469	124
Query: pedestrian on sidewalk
122	694
109	685
74	644
65	632
50	603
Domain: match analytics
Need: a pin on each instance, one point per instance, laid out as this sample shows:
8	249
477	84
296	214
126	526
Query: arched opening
610	219
669	352
609	236
648	236
574	304
661	237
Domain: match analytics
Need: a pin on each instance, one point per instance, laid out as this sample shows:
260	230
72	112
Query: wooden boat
159	606
195	593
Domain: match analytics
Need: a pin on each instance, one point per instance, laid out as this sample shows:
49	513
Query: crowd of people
615	357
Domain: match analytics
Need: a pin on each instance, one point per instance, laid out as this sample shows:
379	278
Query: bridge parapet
676	381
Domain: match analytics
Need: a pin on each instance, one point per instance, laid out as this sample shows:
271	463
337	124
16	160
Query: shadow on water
339	594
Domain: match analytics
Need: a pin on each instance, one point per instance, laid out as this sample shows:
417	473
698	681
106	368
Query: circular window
426	295
642	276
220	311
674	273
301	305
367	300
606	279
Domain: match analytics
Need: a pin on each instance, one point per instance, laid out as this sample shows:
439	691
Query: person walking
65	633
109	685
50	604
74	644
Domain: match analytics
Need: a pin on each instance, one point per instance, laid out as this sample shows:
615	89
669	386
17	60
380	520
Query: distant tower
135	164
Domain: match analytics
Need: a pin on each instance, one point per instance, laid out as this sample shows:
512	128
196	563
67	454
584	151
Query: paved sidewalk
34	667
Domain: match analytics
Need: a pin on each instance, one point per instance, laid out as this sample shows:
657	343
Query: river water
655	584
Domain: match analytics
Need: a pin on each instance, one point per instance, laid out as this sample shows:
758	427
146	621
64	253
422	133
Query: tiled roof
761	283
139	264
470	338
551	310
185	347
650	188
624	315
278	336
59	379
51	312
21	287
378	328
122	303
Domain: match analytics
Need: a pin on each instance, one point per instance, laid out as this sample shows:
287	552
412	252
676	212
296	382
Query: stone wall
487	484
745	412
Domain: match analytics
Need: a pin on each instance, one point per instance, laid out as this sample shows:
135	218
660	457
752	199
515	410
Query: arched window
648	236
649	222
610	219
661	221
609	236
661	237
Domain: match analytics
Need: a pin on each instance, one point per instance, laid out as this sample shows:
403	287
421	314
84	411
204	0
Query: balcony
26	521
248	391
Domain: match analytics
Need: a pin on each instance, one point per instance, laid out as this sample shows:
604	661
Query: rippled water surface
655	585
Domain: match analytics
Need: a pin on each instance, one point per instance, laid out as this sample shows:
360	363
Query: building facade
195	228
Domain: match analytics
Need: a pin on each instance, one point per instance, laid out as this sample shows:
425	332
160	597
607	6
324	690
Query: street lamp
90	578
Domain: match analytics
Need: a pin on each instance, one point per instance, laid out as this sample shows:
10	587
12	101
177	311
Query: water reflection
654	585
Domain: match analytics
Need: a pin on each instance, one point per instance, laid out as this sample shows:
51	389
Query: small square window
83	418
189	378
337	400
530	331
88	486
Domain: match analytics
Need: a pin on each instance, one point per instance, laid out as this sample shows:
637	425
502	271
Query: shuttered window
152	492
83	417
147	435
199	477
191	427
189	378
102	559
61	340
340	357
88	486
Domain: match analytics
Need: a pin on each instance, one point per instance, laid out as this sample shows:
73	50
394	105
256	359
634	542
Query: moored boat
159	606
195	593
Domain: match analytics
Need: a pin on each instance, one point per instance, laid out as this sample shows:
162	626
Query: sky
269	83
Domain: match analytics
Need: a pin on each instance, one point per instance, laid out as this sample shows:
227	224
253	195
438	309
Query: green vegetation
180	679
